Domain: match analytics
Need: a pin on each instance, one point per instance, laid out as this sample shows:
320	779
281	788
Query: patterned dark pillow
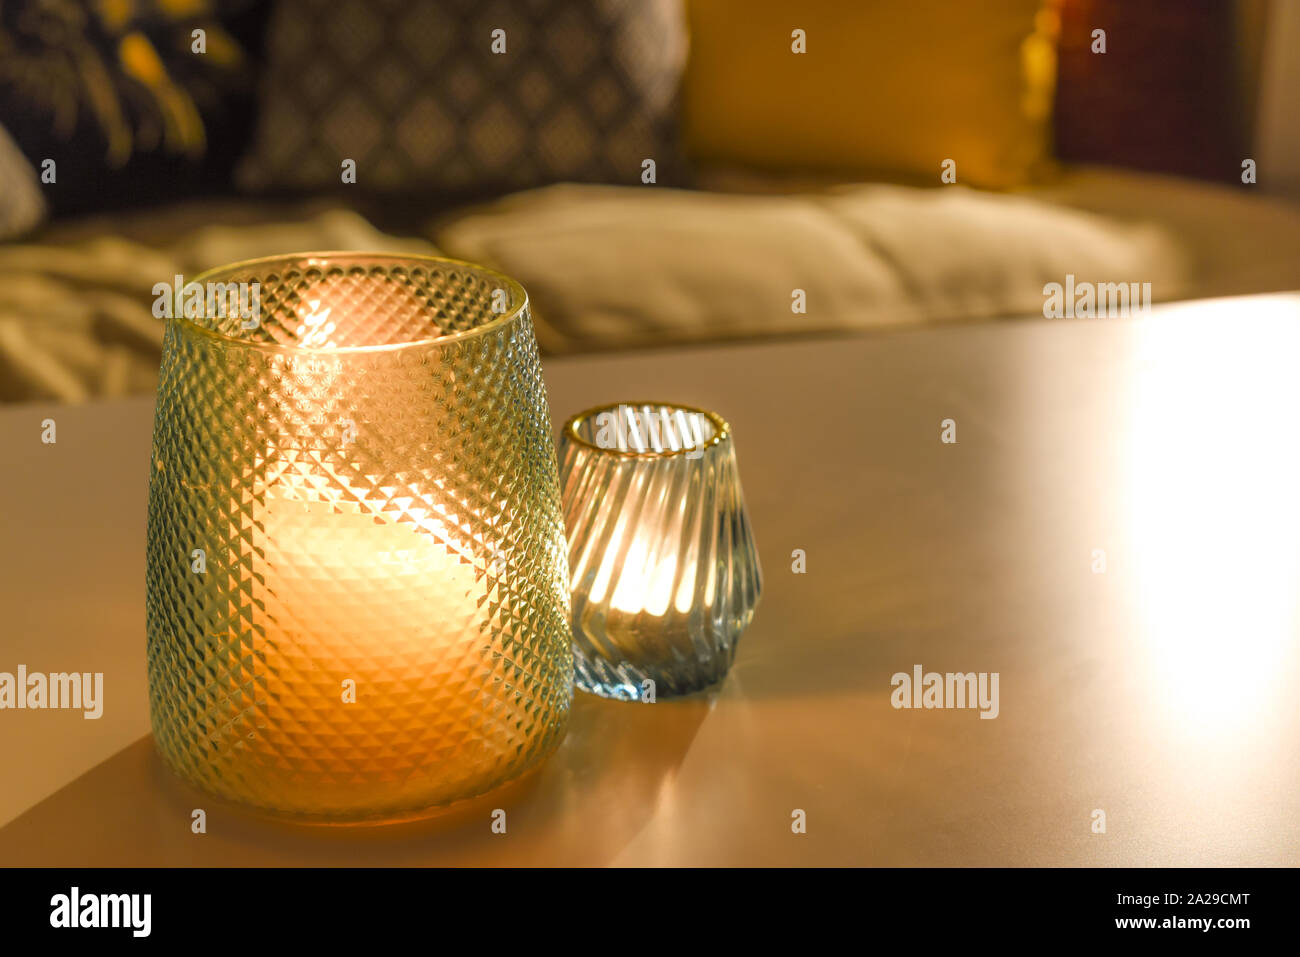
419	94
126	99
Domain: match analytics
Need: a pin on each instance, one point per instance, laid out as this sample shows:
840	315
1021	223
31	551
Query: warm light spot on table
1213	476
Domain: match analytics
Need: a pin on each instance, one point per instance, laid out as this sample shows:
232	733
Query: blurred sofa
899	169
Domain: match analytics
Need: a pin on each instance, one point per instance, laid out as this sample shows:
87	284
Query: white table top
1161	691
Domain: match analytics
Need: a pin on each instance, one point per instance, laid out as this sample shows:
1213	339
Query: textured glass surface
357	589
664	571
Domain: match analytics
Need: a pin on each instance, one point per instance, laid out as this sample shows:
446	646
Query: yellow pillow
888	88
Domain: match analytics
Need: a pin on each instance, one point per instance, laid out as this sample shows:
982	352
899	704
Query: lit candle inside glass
663	570
367	615
381	625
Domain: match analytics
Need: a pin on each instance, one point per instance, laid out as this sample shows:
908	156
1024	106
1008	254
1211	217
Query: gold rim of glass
518	295
721	430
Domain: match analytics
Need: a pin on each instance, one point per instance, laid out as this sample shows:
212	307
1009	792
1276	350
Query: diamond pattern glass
664	572
357	595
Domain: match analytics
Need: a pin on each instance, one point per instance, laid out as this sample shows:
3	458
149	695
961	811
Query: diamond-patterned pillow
467	97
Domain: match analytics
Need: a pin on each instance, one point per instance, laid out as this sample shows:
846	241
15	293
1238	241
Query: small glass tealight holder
663	568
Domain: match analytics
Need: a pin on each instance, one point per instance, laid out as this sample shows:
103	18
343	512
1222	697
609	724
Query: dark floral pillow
126	102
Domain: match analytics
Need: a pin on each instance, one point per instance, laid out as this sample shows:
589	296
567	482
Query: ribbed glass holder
664	572
357	588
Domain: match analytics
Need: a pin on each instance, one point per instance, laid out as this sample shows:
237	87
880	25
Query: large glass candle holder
664	572
357	591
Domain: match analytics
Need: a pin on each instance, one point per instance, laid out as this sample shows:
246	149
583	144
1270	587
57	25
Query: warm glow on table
1213	497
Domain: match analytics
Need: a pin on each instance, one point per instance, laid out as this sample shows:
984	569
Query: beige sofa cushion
636	267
